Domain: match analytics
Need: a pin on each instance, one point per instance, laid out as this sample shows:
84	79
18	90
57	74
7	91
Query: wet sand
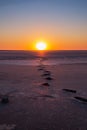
37	103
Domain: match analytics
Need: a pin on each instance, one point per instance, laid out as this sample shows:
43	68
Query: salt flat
33	106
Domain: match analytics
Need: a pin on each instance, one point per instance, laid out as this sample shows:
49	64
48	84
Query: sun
41	46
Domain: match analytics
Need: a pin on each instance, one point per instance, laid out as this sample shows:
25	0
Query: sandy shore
34	105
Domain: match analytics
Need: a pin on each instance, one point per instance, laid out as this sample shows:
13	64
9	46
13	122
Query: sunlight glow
41	46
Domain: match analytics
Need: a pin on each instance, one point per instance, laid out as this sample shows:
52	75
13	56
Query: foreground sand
33	106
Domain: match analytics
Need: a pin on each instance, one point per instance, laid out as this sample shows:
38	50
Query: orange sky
60	42
63	26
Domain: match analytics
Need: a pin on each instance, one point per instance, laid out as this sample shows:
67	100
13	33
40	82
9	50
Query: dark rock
81	99
46	74
45	84
40	69
69	90
49	78
5	100
48	96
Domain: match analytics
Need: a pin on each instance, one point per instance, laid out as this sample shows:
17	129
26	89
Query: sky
62	24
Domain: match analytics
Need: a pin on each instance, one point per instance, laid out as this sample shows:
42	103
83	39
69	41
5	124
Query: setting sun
41	45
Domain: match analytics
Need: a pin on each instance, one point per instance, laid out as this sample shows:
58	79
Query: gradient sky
60	23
